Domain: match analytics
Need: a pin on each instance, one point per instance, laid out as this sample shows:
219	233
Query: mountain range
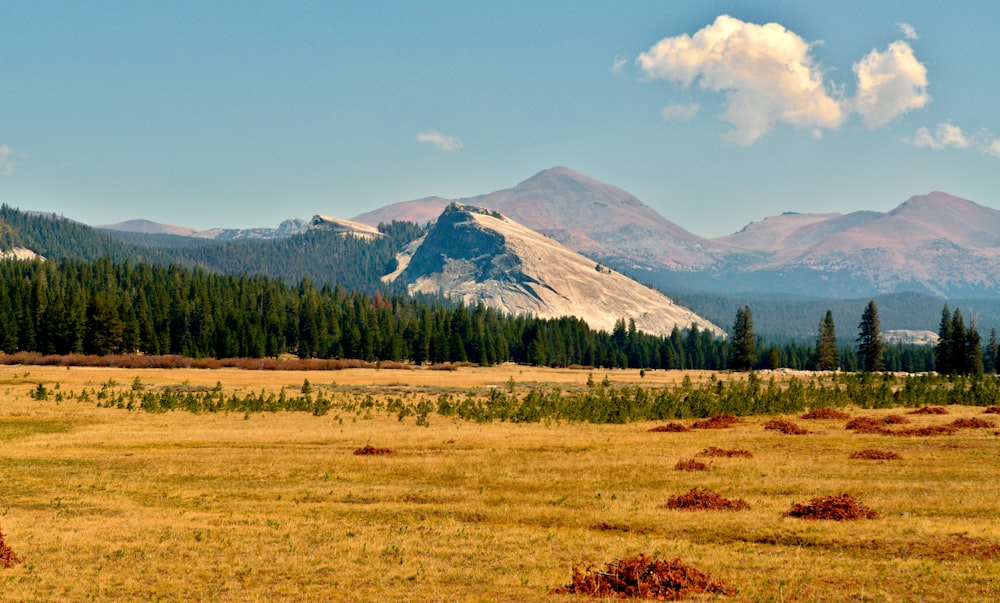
935	246
937	243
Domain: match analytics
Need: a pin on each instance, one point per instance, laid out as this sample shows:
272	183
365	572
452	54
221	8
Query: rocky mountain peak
478	255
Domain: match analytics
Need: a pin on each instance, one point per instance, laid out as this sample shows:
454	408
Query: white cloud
769	76
948	136
680	111
617	64
443	142
890	83
908	32
6	165
766	72
993	148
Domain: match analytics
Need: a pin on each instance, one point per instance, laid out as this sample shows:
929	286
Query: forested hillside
107	308
325	257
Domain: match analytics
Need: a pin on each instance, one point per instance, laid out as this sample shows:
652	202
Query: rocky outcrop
477	255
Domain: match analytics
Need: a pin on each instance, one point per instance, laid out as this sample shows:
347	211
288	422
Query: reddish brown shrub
836	507
826	413
703	499
642	577
7	556
971	423
720	421
670	427
713	451
873	454
992	410
929	410
875	424
690	465
373	451
785	427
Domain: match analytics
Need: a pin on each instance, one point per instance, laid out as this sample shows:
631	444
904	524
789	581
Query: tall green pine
870	345
827	358
744	350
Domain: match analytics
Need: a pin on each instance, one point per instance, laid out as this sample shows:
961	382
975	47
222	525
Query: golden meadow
237	485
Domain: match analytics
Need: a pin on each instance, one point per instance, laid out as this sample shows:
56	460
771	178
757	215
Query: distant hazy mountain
935	243
478	255
285	229
149	227
588	216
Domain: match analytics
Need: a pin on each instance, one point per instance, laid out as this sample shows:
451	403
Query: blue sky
242	114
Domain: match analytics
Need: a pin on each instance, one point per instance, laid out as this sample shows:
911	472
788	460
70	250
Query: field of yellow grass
110	504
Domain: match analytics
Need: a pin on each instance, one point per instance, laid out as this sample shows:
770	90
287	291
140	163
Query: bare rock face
345	227
479	256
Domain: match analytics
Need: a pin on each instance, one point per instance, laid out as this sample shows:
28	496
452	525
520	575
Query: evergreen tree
870	346
943	350
990	364
744	346
973	360
827	357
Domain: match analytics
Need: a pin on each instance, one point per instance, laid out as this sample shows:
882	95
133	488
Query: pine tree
973	361
827	358
870	345
990	366
943	356
744	350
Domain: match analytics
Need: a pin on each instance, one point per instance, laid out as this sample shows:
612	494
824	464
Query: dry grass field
109	504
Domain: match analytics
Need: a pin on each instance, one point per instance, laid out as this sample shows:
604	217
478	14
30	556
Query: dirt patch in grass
713	451
603	526
933	430
838	507
690	465
874	454
642	577
721	421
929	410
785	427
7	556
368	450
826	413
703	499
671	428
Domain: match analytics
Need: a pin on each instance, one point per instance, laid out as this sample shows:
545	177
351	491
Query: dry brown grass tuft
703	499
840	507
929	410
671	428
713	451
971	423
873	454
876	424
786	427
643	577
720	421
826	413
7	556
690	465
368	450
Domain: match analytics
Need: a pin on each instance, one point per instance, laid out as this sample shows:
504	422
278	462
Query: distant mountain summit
478	255
935	243
589	216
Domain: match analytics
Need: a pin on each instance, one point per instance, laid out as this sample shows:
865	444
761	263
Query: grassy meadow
112	504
